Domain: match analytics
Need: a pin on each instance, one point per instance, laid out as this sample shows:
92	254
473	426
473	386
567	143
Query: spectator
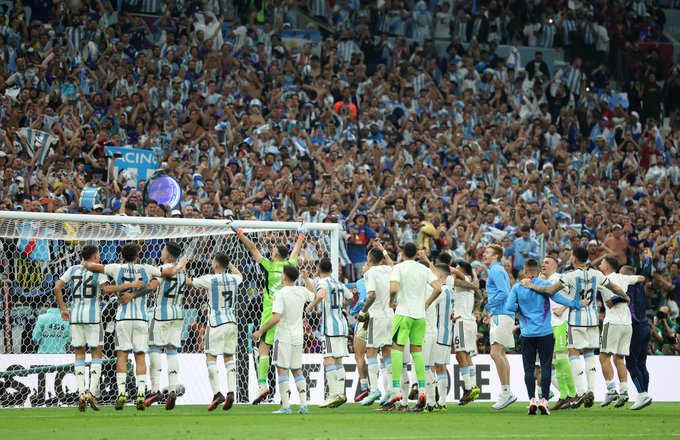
51	333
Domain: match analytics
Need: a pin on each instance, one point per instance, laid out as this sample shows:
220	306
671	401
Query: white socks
79	370
578	372
442	386
373	370
284	386
95	376
120	381
173	370
155	367
213	377
141	384
301	384
591	371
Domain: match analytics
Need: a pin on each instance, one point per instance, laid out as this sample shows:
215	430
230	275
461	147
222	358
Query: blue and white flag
136	164
38	143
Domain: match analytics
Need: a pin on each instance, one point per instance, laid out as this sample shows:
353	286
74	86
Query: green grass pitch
661	420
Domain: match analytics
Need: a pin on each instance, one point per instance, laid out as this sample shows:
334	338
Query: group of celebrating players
416	312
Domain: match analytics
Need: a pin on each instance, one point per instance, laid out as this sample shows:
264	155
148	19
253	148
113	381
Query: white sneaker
370	398
504	400
338	400
609	398
641	403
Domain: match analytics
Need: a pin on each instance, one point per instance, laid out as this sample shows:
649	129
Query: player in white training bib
617	330
287	311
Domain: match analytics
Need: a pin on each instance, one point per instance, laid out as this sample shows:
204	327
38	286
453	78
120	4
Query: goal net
36	359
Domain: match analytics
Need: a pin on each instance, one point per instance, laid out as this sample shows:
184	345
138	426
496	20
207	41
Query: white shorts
379	332
220	340
616	339
442	354
429	347
287	356
164	333
360	332
582	338
465	335
500	331
87	335
132	336
335	347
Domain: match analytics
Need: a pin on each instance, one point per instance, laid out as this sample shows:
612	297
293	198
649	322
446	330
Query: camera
661	315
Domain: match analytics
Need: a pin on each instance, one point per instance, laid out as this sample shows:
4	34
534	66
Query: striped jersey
85	287
463	307
136	309
170	295
377	280
222	289
334	321
584	284
444	308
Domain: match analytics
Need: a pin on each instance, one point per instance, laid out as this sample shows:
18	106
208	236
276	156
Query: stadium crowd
374	128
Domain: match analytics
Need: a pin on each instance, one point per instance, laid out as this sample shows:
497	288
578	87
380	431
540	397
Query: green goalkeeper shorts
405	329
269	336
560	333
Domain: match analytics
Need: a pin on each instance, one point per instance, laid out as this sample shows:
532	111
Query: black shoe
217	399
577	401
170	401
413	394
589	399
229	402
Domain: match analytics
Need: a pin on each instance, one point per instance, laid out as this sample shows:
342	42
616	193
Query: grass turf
350	421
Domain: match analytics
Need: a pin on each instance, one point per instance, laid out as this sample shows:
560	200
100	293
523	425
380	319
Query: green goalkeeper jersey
273	271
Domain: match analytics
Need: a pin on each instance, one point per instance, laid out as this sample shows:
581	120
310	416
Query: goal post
36	249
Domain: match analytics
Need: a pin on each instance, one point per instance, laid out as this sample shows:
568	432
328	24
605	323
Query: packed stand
380	132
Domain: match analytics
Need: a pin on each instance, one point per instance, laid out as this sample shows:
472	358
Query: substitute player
408	288
335	297
558	320
583	337
166	327
272	269
87	331
536	329
501	321
220	338
379	314
466	302
617	330
444	307
287	309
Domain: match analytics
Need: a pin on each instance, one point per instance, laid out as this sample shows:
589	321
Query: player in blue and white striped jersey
583	336
220	337
132	328
442	351
166	327
335	297
86	289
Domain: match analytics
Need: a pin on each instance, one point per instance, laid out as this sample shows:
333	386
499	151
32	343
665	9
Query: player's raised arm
320	295
543	290
617	290
437	289
171	271
59	296
298	244
93	267
234	270
249	245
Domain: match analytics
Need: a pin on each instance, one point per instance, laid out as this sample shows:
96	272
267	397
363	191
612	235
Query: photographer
664	333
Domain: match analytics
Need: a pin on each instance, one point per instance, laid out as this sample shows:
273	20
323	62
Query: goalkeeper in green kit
272	269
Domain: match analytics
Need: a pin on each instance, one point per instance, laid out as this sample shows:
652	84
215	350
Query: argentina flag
38	143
